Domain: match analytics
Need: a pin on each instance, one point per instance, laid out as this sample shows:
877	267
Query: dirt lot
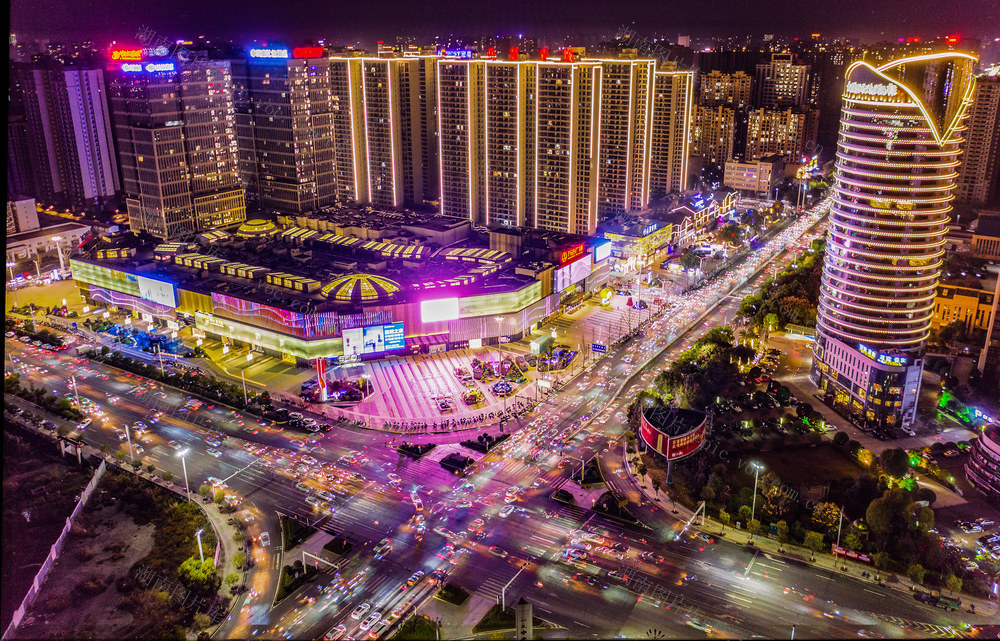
129	524
40	490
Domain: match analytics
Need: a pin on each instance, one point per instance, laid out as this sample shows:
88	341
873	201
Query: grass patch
499	619
293	532
338	545
810	465
451	593
419	628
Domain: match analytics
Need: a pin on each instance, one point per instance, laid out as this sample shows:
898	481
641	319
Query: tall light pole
38	269
10	267
242	377
840	522
201	552
503	378
62	264
187	488
73	379
757	467
128	437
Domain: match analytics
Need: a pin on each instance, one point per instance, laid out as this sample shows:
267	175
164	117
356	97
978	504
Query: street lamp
757	467
201	552
128	437
62	265
10	266
243	378
499	320
187	489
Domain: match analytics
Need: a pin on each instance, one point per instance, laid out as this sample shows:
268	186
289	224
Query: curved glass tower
897	164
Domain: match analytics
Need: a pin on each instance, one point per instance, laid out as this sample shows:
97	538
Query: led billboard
157	291
442	309
573	273
395	337
602	251
374	339
353	341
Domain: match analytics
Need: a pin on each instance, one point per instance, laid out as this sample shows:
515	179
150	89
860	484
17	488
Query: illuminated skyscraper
979	181
284	124
560	142
897	160
67	136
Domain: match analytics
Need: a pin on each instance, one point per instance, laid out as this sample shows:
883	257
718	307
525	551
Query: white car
361	610
370	621
214	452
84	424
265	539
507	510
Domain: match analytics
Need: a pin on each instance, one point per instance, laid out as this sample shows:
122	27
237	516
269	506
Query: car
415	577
265	539
909	432
498	551
507	510
302	487
650	557
313	501
707	538
336	633
215	482
213	442
214	452
400	609
246	515
361	611
379	627
834	614
84	424
417	503
326	496
174	444
370	621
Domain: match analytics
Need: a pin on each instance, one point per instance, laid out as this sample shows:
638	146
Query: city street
371	492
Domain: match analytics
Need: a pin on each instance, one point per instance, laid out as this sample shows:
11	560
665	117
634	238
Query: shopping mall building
347	284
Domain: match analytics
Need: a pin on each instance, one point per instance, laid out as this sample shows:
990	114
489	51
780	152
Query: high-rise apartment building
559	143
673	111
69	136
713	134
979	175
781	82
900	139
732	90
176	133
787	132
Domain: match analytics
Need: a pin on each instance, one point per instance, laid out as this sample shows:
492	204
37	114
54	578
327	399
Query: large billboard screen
572	273
353	341
395	337
374	339
602	251
443	309
157	291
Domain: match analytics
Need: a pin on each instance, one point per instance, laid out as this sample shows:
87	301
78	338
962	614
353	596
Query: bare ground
99	551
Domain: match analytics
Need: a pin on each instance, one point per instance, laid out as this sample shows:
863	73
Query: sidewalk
457	621
796	552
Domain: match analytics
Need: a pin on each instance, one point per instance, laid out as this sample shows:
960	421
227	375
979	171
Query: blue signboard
394	337
597	347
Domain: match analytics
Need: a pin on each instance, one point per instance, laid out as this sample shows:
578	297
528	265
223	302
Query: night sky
346	21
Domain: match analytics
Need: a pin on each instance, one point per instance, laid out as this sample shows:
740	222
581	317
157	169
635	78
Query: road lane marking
738	597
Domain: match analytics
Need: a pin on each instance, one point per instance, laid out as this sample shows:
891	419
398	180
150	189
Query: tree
916	573
754	527
825	517
895	462
880	560
743	514
851	542
656	486
63	430
840	439
724	519
201	621
168	476
879	515
689	260
198	575
953	583
136	465
239	560
641	469
150	468
814	541
232	579
204	490
782	534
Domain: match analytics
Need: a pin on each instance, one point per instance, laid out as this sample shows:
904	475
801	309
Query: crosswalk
931	629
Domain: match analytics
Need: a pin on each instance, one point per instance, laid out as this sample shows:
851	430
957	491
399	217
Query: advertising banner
395	337
157	291
353	341
374	339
